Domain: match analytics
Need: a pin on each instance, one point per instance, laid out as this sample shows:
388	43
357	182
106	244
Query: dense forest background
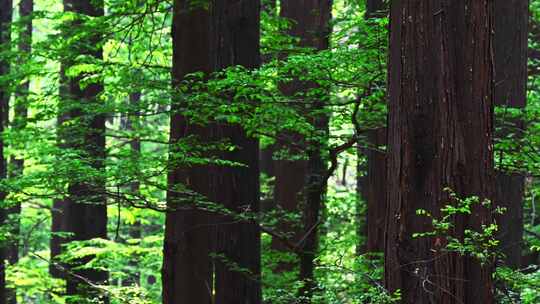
289	151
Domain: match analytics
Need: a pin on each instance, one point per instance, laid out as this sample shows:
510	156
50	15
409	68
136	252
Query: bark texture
373	186
510	50
5	38
440	135
224	35
235	41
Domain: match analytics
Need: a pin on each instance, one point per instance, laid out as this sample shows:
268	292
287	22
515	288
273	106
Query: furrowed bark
228	34
439	135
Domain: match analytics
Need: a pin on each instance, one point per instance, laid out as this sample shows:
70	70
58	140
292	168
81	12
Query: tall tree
5	39
132	123
210	39
372	187
439	135
301	184
266	154
510	50
187	268
18	124
84	210
26	8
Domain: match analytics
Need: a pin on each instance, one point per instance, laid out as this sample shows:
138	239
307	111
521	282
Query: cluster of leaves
481	244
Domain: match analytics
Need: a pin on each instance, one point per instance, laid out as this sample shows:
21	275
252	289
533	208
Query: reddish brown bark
299	184
227	34
439	135
374	191
510	50
373	186
187	270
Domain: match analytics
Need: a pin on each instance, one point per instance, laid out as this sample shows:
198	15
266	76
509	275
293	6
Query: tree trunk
235	40
439	135
135	230
18	124
375	8
373	186
5	38
57	212
209	40
374	191
311	20
510	49
85	208
187	271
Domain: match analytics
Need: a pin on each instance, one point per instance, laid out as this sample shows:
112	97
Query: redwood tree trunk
510	49
440	135
235	41
374	191
187	273
5	37
85	208
311	20
209	40
373	187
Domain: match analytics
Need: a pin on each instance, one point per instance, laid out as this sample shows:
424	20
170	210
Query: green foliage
481	244
350	80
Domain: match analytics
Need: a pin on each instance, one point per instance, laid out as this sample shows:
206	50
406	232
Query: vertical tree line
83	212
204	251
510	45
440	132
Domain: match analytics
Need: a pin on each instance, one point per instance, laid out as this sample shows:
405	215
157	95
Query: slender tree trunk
267	160
374	191
266	154
5	38
209	40
510	49
18	124
299	185
373	186
85	208
440	135
311	20
135	230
